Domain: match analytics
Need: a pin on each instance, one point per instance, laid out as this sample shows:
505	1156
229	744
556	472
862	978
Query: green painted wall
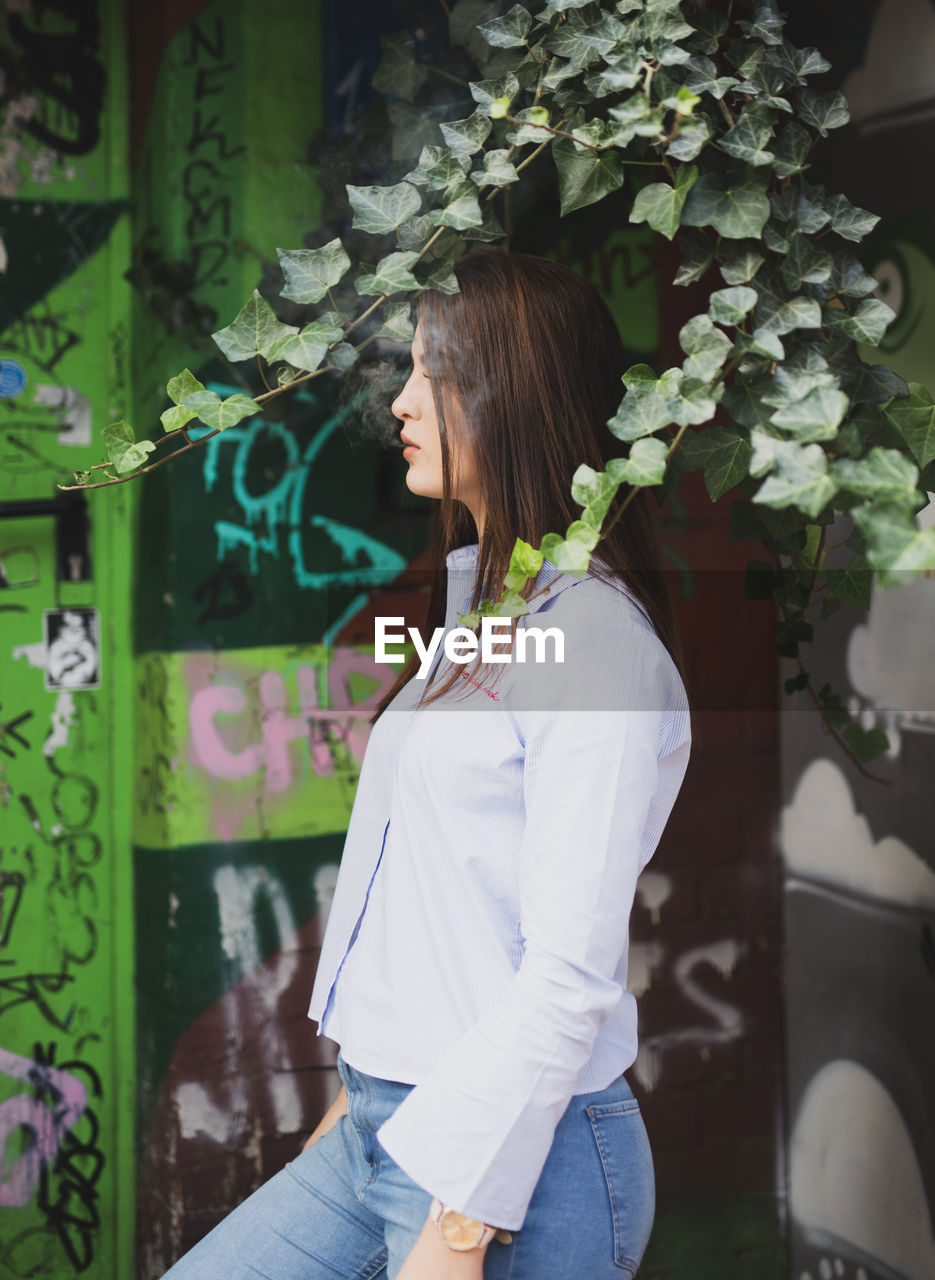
66	938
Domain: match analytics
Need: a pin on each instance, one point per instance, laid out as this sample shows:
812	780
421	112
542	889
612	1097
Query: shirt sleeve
476	1132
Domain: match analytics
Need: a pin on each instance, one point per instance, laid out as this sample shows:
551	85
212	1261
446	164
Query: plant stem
103	484
446	75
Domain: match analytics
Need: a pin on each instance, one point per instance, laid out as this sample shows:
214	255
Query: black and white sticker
72	648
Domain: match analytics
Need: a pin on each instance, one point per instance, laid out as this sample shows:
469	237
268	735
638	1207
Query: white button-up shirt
477	942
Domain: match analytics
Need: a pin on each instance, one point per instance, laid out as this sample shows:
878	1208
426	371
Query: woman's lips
410	450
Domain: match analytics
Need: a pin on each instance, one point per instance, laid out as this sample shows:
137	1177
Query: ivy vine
719	104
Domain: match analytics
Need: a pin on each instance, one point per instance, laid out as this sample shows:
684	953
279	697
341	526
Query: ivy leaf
525	563
464	137
847	220
437	169
462	212
621	71
766	25
380	210
913	416
183	384
896	547
694	401
883	473
398	72
709	27
773	315
867	323
465	17
748	138
693	134
724	456
306	349
740	262
572	553
218	413
641	412
661	205
729	306
705	347
645	464
737	208
344	355
442	278
593	490
798	474
823	111
487	92
791	149
393	274
703	78
852	583
816	416
123	449
253	331
498	171
310	273
397	323
805	263
584	177
796	64
509	32
697	256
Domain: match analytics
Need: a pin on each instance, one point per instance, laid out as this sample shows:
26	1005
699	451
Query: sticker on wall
12	379
72	648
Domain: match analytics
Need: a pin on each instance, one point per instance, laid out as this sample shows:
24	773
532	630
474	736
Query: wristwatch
458	1230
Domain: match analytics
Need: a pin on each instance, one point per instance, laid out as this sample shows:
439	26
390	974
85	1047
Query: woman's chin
417	484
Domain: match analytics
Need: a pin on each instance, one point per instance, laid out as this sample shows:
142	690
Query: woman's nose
404	407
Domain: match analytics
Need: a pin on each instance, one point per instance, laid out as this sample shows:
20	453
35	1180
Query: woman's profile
473	971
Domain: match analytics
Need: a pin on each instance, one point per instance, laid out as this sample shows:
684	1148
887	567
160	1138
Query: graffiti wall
66	1026
859	869
254	676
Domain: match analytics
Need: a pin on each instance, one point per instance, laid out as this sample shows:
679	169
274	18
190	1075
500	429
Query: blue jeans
343	1208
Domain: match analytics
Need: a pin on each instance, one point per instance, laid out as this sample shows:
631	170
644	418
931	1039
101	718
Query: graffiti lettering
60	69
10	730
59	1101
343	725
67	1186
228	581
208	205
277	514
32	988
12	884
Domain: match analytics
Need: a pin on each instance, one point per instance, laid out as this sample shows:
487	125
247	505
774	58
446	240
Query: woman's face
415	408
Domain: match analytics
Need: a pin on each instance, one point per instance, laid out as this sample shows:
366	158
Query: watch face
460	1231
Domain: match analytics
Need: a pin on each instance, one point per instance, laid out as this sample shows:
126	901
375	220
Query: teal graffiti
279	509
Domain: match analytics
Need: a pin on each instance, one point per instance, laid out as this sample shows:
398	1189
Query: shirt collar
463	559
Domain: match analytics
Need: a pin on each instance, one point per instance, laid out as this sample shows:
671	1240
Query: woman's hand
331	1117
431	1259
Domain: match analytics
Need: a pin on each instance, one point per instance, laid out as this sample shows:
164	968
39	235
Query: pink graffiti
46	1125
223	750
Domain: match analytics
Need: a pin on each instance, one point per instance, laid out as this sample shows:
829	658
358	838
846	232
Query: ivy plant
709	117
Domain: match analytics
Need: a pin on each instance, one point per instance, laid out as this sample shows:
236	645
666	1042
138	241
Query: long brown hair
529	355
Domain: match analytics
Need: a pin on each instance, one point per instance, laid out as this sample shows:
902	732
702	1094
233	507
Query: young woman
474	965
